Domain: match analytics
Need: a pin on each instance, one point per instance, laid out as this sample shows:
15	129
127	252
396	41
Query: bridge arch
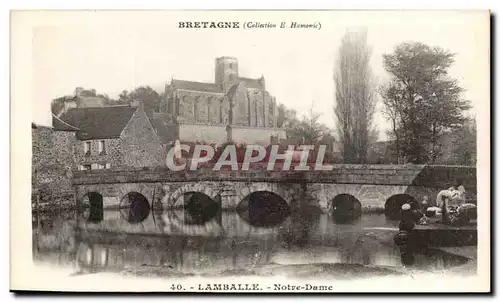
114	193
91	207
286	195
190	188
133	198
392	207
83	197
263	209
91	199
346	205
134	207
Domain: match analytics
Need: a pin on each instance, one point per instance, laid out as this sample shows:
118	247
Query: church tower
226	72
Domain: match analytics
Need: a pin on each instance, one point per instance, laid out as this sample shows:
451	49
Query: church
233	108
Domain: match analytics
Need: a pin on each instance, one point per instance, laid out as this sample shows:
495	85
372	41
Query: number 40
176	287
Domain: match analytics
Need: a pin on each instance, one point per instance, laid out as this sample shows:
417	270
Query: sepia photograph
250	151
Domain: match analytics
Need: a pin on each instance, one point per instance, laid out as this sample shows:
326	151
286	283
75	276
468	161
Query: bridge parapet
404	175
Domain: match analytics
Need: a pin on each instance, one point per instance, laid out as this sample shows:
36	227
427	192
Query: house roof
160	125
250	83
99	123
198	86
60	125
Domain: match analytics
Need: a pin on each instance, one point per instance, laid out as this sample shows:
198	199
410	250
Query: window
101	166
86	148
102	147
85	167
231	65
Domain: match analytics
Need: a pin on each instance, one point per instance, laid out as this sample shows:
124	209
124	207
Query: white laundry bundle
456	197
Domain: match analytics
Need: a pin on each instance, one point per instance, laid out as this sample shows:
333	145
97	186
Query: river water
176	242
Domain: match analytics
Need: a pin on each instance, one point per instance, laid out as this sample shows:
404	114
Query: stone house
114	136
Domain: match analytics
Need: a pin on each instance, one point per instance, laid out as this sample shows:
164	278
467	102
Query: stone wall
259	136
250	107
241	106
52	164
140	144
262	111
428	176
112	155
203	132
218	134
194	106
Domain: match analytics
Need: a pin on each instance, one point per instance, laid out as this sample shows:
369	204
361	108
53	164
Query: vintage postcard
250	151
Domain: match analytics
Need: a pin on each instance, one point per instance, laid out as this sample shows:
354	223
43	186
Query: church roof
198	86
99	122
250	83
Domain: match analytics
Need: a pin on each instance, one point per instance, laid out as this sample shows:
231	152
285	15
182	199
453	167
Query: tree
391	102
465	143
459	146
124	97
421	100
287	118
145	94
308	130
355	102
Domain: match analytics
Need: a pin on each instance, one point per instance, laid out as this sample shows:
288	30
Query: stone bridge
373	186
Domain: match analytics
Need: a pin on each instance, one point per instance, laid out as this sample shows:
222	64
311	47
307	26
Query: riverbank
469	252
48	208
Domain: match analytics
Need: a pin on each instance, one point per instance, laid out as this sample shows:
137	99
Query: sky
114	51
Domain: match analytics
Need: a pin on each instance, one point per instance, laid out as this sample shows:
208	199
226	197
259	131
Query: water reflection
199	208
179	222
263	209
91	207
346	209
134	207
170	240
